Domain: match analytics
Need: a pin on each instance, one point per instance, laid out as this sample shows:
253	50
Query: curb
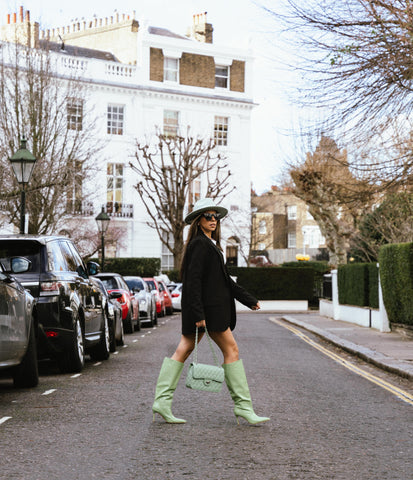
399	367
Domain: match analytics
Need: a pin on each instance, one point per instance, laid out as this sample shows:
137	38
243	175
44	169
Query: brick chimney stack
23	31
201	30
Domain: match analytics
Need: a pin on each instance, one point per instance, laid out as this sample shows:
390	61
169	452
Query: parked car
176	295
156	292
18	349
114	282
147	304
71	317
114	311
167	297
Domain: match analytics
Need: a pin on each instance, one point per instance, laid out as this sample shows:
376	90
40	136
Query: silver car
147	302
18	349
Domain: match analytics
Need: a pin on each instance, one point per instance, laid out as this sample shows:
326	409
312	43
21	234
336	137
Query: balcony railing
79	208
118	209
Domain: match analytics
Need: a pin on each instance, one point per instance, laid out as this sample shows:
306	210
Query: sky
241	23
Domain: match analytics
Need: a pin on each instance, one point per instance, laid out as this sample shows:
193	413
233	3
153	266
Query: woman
208	294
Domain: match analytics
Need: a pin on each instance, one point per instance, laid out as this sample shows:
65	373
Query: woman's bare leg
185	347
227	344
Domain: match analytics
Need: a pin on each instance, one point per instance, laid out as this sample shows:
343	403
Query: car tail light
49	288
174	295
51	334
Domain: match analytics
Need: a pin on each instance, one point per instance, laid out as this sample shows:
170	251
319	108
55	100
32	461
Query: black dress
208	292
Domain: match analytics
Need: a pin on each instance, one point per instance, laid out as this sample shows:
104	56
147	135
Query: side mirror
93	268
19	264
136	290
115	295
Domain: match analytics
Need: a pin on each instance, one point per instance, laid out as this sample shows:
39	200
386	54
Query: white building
141	77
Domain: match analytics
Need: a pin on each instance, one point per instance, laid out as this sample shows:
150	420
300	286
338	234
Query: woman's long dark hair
195	230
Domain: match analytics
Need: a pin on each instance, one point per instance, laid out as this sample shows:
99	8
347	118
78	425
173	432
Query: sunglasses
210	216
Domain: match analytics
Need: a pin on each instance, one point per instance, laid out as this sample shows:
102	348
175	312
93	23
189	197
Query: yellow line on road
401	394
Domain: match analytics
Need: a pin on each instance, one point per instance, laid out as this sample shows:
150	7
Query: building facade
283	226
141	78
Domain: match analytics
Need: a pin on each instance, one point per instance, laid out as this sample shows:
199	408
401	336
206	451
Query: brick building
282	225
140	77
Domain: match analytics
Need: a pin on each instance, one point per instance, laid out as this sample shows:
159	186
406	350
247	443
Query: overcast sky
236	22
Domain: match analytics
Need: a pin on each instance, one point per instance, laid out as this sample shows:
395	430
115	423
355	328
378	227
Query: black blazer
208	292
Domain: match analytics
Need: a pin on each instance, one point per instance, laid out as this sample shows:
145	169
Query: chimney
21	15
8	18
201	30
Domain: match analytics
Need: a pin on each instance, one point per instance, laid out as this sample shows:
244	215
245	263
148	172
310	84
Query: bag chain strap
210	344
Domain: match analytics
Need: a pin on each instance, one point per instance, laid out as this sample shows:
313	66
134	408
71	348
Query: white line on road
135	340
124	346
4	419
115	353
76	375
48	392
97	364
142	336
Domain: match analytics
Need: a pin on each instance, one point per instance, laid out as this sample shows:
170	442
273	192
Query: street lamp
103	220
22	163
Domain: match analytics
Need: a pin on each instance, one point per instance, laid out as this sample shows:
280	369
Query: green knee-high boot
237	383
165	387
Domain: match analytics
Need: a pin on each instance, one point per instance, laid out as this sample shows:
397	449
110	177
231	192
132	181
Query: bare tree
356	56
335	198
48	107
167	170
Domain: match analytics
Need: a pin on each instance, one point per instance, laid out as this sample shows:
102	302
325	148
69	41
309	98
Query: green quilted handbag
202	376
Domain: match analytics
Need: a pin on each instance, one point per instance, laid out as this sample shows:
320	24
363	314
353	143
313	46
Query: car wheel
155	316
73	360
138	324
128	326
121	340
27	373
102	350
169	311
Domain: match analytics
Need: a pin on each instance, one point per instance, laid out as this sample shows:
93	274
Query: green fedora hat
204	205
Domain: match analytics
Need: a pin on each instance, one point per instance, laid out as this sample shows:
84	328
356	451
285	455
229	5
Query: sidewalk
390	351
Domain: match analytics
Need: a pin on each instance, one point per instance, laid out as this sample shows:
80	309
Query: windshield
134	284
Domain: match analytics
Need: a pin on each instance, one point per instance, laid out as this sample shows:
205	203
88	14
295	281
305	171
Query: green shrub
373	285
353	284
141	267
276	283
396	275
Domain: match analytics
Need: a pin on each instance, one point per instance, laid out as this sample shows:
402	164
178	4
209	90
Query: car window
110	283
161	287
80	266
21	248
151	284
133	283
55	258
122	283
68	256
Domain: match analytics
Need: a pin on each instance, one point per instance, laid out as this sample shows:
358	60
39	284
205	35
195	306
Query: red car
129	303
167	297
158	291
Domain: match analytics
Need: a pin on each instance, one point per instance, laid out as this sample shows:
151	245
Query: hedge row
358	285
276	283
141	267
396	275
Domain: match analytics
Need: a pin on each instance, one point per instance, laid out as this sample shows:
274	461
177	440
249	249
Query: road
327	422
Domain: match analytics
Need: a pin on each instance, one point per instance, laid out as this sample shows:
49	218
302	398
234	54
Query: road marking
48	392
401	394
76	375
97	364
124	346
115	353
4	419
135	340
142	336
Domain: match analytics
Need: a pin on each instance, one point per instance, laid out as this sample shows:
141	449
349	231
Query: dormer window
171	69
221	76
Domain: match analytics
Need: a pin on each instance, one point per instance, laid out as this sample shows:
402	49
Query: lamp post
103	220
23	163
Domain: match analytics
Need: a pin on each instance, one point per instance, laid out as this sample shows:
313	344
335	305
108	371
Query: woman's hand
256	307
200	324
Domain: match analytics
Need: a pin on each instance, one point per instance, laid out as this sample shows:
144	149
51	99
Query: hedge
276	283
141	267
396	275
358	285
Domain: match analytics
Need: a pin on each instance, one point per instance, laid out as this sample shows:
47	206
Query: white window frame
222	76
221	129
74	108
292	212
171	69
115	119
167	258
262	227
115	172
291	240
171	123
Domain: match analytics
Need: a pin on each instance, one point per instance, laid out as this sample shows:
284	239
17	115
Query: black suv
71	310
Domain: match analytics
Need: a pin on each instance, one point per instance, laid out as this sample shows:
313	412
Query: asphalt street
327	422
